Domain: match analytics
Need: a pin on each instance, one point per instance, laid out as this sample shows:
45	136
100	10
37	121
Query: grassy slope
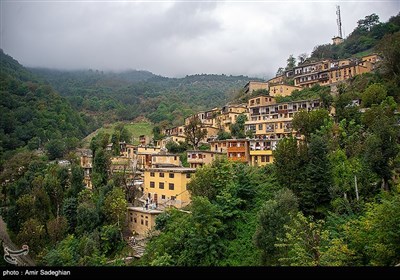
137	129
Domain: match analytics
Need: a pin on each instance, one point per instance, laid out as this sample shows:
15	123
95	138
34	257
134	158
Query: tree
33	234
273	216
373	94
314	196
381	143
302	242
101	165
368	22
57	229
210	180
302	58
290	62
289	162
69	211
195	132
76	180
280	71
115	207
389	47
309	122
237	129
222	135
88	217
55	148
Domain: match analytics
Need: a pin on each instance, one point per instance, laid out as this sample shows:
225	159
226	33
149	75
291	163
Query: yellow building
253	86
329	72
142	220
128	150
282	90
235	149
87	165
165	160
167	186
275	80
198	159
144	156
229	114
269	122
162	143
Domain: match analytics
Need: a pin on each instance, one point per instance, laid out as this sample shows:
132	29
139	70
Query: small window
262	158
172	197
188	175
162	174
134	220
163	196
152	184
260	127
141	221
152	174
171	175
161	185
131	219
171	186
146	223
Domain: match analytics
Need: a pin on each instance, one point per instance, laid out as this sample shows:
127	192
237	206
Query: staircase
138	245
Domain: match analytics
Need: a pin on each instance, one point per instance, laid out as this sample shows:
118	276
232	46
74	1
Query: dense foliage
124	96
364	37
33	115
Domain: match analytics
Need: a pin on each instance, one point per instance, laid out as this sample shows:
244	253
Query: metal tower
339	22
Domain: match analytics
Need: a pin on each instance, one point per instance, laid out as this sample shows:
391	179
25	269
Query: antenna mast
339	21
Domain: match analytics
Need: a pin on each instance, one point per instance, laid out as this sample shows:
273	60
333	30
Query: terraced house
270	122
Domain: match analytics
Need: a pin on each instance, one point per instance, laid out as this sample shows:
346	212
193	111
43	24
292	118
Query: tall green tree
273	216
237	129
101	165
381	145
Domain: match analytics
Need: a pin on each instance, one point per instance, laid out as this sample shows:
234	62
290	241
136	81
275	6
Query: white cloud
175	39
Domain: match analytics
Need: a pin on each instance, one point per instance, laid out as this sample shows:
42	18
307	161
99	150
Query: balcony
237	149
270	129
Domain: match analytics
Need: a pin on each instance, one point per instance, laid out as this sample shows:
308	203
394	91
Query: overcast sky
175	38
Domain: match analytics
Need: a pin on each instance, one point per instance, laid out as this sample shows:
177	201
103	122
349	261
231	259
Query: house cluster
160	175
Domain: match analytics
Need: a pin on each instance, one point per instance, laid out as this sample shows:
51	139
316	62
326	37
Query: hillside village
159	177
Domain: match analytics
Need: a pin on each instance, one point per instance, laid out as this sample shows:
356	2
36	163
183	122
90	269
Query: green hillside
124	96
33	115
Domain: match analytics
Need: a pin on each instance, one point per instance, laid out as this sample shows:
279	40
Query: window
260	127
172	197
262	158
171	186
152	184
163	196
171	175
162	174
131	219
151	174
268	159
188	174
174	157
141	221
146	223
161	185
134	220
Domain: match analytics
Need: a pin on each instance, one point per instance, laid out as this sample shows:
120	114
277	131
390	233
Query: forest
127	95
332	199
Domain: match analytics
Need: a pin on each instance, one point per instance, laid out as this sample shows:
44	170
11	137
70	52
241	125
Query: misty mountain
111	96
